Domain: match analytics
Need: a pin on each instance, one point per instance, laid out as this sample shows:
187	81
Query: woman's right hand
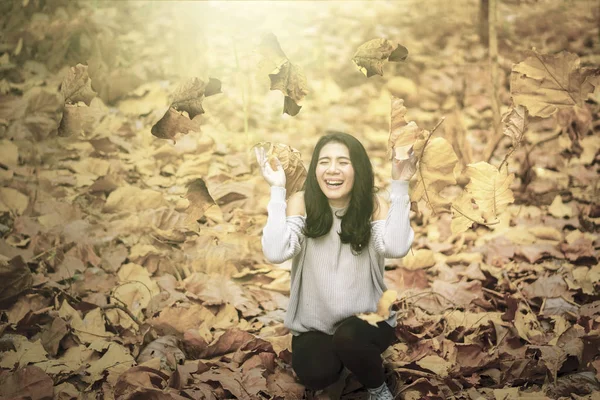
273	177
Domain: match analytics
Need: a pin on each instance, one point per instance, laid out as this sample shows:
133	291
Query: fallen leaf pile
131	266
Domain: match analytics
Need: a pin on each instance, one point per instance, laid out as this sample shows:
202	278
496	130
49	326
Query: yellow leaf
136	288
464	213
9	153
25	352
527	326
547	83
383	308
422	258
435	172
515	124
435	364
402	134
113	363
558	209
490	189
131	198
12	200
546	232
506	394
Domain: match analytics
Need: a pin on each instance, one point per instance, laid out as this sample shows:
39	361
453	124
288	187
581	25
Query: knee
347	336
316	375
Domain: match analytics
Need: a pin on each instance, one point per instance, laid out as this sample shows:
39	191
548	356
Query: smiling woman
338	232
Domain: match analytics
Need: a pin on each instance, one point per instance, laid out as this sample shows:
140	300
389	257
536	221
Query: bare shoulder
381	208
295	204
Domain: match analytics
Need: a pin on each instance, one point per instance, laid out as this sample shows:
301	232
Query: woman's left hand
404	169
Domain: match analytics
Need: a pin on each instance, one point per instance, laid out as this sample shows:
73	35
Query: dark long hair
356	222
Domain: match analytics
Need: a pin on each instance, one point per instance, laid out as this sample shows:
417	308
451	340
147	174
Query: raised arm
393	236
282	235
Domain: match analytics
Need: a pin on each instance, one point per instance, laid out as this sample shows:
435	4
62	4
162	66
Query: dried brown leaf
218	289
515	124
77	85
372	55
546	83
172	123
403	134
15	278
291	161
30	382
165	348
228	342
435	173
200	199
190	94
289	79
51	337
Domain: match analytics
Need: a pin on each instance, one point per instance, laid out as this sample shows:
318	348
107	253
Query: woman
338	232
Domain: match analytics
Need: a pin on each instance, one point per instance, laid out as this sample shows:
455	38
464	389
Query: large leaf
403	134
77	86
188	97
547	83
490	188
485	197
372	55
436	171
15	278
290	80
199	198
173	123
285	76
464	213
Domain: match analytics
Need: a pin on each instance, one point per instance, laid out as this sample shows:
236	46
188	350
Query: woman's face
335	173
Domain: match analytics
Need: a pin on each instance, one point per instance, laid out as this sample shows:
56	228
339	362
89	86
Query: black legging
318	358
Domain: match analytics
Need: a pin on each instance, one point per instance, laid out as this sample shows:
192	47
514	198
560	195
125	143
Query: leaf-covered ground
120	279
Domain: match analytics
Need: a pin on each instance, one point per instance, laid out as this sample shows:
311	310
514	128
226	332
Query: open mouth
333	183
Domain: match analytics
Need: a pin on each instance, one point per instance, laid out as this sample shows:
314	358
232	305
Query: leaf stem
421	157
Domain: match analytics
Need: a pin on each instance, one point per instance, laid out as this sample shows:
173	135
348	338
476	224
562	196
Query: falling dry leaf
435	172
515	123
402	134
77	86
547	83
199	198
173	123
286	77
490	189
372	55
188	96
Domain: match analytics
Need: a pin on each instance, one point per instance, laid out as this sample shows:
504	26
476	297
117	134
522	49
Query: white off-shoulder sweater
328	282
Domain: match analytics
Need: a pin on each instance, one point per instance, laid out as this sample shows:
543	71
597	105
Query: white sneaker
380	393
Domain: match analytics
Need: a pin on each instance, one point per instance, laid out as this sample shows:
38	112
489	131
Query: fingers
257	154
